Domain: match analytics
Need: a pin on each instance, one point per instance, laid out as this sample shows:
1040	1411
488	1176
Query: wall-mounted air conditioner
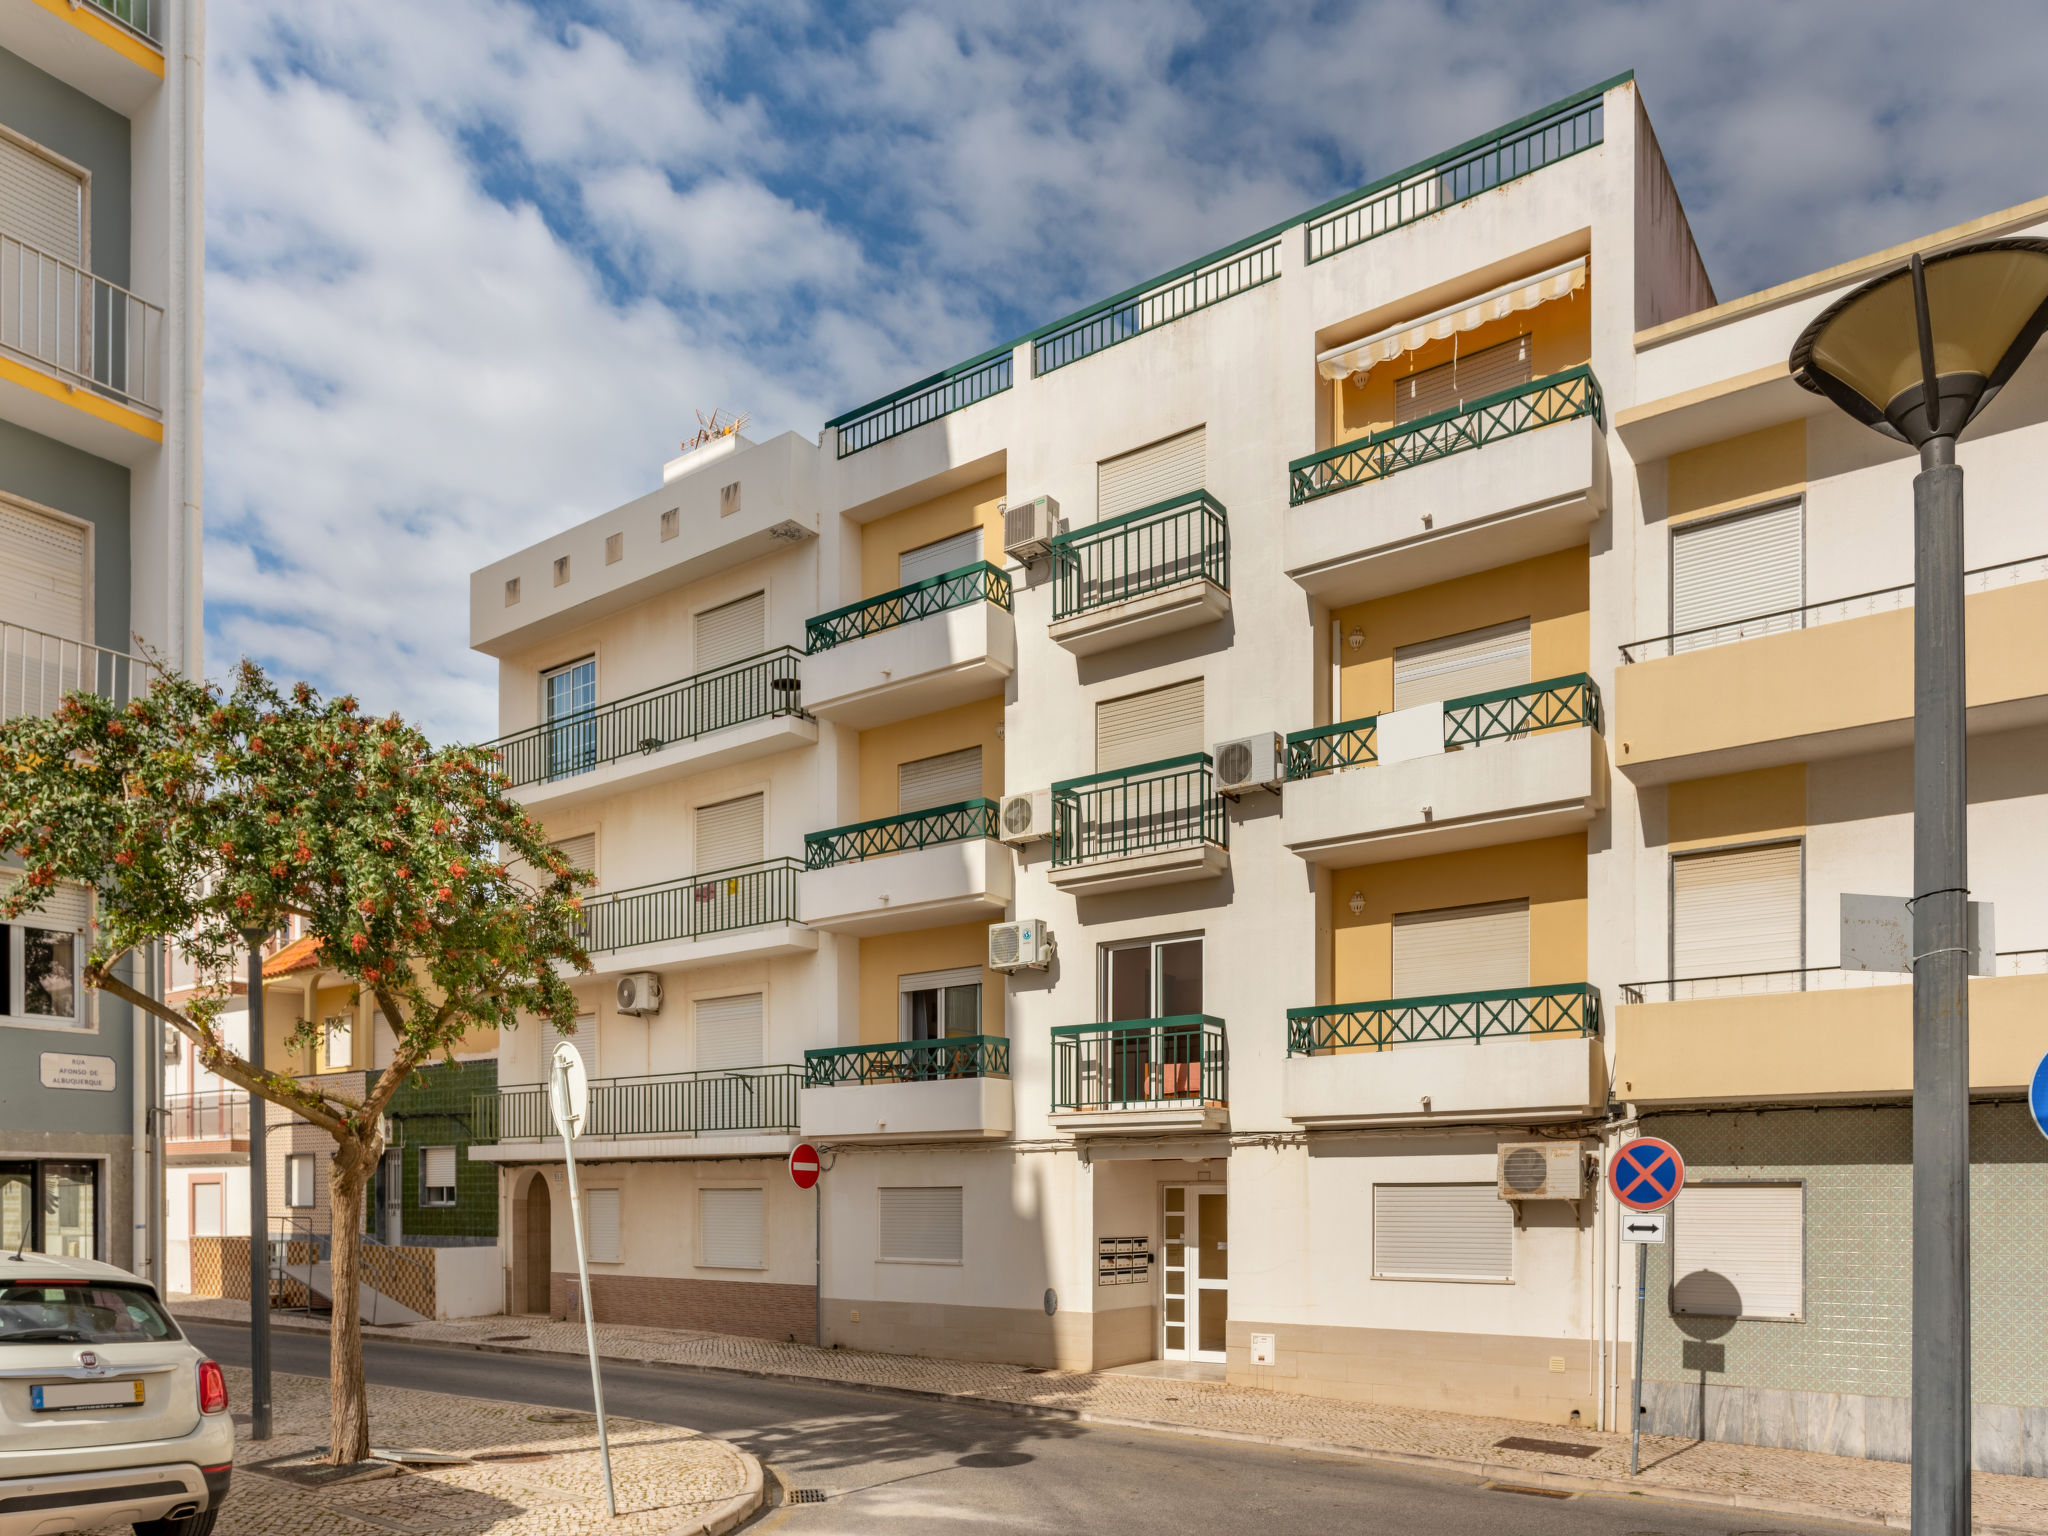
639	992
1022	946
1251	762
1025	818
1028	527
1542	1170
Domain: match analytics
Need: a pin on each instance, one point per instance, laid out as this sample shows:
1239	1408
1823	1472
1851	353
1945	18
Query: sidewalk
1754	1477
528	1475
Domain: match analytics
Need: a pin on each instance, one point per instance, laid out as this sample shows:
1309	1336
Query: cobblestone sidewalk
530	1474
1758	1476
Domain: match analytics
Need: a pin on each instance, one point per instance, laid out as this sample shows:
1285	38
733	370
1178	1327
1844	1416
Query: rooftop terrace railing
1140	1064
1815	978
1471	424
37	670
1149	808
1499	715
962	588
694	907
927	400
670	1104
1174	297
1124	557
1567	1009
908	1061
80	327
961	822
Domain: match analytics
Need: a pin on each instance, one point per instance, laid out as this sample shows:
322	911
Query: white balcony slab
609	1149
1188	1119
1497	792
1510	500
771	941
88	50
715	749
1171	866
966	1107
921	888
1184	605
929	664
1460	1080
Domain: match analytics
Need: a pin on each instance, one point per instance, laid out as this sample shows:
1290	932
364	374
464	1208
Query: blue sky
475	265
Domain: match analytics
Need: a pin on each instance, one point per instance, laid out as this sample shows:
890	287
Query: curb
736	1510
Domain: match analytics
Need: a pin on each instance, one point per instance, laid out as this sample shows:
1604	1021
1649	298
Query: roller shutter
730	834
41	203
728	1032
602	1207
1737	912
1461	949
732	632
1472	377
581	853
42	574
1740	1251
946	779
1729	569
1154	474
1441	1232
948	554
1456	666
438	1167
732	1231
585	1041
922	1226
1149	727
68	906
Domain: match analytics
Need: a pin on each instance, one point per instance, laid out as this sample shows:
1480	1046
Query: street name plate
95	1074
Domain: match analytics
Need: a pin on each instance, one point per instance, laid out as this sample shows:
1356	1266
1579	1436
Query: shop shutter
1457	666
732	632
1728	569
948	554
1154	474
602	1206
1740	1251
581	853
42	574
41	203
922	1226
733	1231
946	779
1461	949
1441	1231
730	834
1473	377
1149	727
728	1032
1737	912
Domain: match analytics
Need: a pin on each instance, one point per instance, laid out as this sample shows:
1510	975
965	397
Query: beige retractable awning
1468	315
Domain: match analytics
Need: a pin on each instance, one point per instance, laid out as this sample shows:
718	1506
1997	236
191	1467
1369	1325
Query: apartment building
100	322
205	1129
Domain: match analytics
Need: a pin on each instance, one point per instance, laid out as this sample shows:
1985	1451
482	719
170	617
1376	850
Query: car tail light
213	1388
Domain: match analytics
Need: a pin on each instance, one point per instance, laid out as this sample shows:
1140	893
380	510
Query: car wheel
200	1524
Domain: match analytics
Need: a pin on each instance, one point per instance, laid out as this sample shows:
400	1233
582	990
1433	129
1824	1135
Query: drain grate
807	1495
1534	1493
1545	1447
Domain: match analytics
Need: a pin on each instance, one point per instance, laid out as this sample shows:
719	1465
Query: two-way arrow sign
1644	1226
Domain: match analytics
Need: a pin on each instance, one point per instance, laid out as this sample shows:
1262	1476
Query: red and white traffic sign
1646	1174
804	1166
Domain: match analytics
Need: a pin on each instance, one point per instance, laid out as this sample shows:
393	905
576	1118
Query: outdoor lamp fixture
1916	354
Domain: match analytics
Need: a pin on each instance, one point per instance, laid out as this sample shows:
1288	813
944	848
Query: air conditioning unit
1025	818
1251	762
639	992
1025	946
1028	527
1542	1170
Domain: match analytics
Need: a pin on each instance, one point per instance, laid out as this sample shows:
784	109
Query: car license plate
73	1396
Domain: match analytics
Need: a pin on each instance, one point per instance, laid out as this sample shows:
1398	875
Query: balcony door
941	556
568	703
1136	816
1737	913
1195	1271
1148	980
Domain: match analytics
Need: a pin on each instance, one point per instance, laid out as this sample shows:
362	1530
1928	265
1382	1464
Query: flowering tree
201	815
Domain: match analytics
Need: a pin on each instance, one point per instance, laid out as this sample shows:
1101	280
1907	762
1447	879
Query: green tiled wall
433	1109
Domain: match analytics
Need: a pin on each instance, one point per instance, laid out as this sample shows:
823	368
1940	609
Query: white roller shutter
728	1032
1441	1232
585	1041
732	632
1740	1250
948	554
1472	377
41	203
946	779
581	853
42	573
67	906
1158	473
1737	912
1727	569
1461	949
922	1226
602	1208
1149	727
1455	666
732	1232
730	834
437	1167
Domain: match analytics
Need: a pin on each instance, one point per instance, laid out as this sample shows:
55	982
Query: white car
107	1412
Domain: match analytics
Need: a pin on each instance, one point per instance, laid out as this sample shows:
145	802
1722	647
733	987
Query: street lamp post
1916	354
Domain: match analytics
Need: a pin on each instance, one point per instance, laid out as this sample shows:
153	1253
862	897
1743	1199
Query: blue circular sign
2037	1097
1646	1174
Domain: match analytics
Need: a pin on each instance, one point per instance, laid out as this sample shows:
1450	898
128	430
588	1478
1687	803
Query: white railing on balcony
140	16
80	327
37	670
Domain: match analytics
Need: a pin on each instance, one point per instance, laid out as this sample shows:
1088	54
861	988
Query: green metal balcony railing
961	822
642	723
1557	132
695	907
1472	424
1500	715
926	400
1123	557
1134	312
1181	1060
908	1061
673	1104
970	584
1571	1009
1147	809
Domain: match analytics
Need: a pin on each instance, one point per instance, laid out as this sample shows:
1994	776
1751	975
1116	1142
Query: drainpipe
141	1235
159	1119
188	256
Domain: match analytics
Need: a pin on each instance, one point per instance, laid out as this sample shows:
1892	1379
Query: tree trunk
348	1394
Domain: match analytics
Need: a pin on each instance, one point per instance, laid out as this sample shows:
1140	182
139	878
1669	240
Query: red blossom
358	942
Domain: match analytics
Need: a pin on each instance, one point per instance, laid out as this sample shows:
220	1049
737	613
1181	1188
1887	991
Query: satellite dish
569	1091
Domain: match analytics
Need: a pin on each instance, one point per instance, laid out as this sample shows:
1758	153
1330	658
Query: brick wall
755	1308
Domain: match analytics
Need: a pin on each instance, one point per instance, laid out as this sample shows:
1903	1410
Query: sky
474	266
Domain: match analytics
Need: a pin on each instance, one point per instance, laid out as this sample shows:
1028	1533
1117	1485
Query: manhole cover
561	1418
1546	1447
513	1456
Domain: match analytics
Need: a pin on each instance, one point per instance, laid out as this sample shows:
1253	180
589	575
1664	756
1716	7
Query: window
731	1230
940	1004
43	585
921	1226
298	1181
580	852
1739	1250
1151	475
1738	911
437	1175
602	1207
51	1208
206	1208
1481	948
946	779
614	548
1457	666
1471	377
730	835
732	632
585	1041
40	955
728	1032
941	556
1441	1232
511	590
568	698
1149	727
336	1044
43	201
1744	566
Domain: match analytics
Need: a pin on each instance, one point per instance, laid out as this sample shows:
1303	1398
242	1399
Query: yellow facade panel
883	542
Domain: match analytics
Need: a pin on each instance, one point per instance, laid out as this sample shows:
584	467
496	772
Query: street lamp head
1918	352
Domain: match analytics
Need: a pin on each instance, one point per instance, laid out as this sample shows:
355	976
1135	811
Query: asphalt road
900	1465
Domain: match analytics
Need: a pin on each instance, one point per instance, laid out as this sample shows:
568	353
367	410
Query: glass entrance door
1196	1271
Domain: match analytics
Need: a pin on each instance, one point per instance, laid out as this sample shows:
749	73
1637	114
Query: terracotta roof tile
295	956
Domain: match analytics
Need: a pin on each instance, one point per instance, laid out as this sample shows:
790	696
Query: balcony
37	670
1411	1059
739	1112
207	1126
1824	680
749	912
1499	767
1814	1035
727	715
1168	1074
938	642
922	869
80	358
1163	568
910	1089
1416	504
1156	824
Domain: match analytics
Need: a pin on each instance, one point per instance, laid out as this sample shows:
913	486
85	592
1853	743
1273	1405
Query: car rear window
80	1312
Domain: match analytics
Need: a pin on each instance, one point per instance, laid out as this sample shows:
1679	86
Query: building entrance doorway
534	1255
1196	1268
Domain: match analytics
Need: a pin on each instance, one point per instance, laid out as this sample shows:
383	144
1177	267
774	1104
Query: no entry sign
803	1165
1646	1174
